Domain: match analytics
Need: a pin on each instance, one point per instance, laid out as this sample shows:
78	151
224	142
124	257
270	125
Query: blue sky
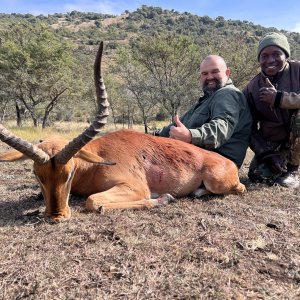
283	14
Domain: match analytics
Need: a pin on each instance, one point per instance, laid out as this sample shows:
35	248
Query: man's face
213	74
272	60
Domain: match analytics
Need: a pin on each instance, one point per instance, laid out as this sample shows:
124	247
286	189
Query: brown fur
144	165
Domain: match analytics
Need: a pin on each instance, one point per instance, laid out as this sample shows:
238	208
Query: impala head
55	179
54	164
55	182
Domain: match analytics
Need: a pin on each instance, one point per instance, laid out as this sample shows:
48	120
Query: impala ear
92	158
12	155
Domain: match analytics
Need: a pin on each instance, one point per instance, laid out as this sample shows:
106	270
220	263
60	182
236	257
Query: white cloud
297	28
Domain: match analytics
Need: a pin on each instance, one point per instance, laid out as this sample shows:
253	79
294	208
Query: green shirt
220	122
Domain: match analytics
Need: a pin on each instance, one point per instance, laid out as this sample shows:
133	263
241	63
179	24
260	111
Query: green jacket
220	122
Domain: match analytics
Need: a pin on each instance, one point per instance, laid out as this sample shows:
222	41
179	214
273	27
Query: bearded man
220	120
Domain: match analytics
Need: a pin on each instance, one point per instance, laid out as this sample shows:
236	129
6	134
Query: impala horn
31	151
100	119
41	157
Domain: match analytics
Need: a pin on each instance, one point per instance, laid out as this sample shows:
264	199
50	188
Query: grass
68	130
219	247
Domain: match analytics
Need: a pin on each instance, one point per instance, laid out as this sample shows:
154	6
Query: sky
283	14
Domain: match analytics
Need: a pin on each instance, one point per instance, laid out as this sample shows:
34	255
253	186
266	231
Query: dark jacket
220	122
272	124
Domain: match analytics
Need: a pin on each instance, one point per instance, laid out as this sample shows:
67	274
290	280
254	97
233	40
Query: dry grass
231	247
68	130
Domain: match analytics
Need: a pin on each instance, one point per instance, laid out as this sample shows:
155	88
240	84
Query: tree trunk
145	126
19	115
113	116
45	119
35	121
50	107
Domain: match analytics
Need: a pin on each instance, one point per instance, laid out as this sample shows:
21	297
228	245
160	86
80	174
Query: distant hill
235	40
90	28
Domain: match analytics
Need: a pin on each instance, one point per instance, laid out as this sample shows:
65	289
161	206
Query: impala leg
125	197
223	181
144	203
119	194
140	204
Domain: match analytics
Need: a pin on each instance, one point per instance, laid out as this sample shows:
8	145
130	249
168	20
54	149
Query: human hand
268	93
180	132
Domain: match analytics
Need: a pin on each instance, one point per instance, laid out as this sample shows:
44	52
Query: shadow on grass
29	208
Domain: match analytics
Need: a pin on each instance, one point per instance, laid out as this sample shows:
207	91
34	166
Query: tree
168	69
38	67
121	106
137	84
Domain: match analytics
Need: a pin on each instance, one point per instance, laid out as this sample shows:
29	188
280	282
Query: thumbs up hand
268	83
177	121
268	93
180	132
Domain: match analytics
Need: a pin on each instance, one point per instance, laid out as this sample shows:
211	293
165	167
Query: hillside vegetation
90	28
57	83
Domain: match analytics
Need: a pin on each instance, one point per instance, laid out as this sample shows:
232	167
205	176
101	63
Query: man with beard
274	99
221	120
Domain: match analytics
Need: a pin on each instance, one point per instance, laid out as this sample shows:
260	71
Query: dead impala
123	169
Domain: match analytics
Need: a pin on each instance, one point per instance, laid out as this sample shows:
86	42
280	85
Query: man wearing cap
274	99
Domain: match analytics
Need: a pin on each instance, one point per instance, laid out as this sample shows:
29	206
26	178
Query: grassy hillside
90	28
235	40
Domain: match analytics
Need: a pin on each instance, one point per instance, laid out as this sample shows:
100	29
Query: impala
123	169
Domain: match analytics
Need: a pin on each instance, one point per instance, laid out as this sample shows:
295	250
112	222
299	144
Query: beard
207	89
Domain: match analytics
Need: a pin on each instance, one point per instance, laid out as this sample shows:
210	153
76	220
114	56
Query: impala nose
59	216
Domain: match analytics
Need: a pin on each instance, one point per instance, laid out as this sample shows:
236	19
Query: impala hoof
91	205
164	199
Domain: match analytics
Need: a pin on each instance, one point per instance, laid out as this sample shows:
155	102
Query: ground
219	247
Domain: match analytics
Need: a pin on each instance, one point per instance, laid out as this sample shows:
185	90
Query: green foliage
35	68
172	62
158	71
46	61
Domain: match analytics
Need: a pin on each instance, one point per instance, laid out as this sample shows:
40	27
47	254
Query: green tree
138	85
170	64
36	67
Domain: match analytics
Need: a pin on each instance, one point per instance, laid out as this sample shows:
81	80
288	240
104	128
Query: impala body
123	169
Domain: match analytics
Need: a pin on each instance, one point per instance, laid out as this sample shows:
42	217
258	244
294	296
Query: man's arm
290	100
275	98
225	110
